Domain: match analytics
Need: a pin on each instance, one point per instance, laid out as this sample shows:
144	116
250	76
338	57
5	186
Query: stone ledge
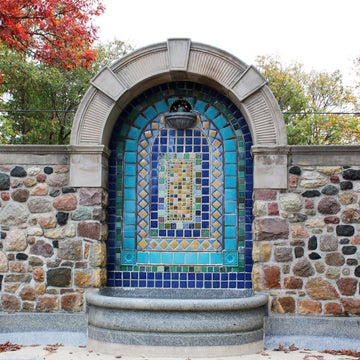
316	333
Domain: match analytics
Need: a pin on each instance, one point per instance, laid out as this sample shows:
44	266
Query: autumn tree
57	32
41	99
313	103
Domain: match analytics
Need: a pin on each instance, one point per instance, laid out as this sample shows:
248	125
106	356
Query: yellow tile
154	125
143	223
217	183
216	194
143	162
205	244
216	245
216	235
143	183
184	244
216	163
216	173
174	244
142	193
144	143
216	204
216	225
205	124
143	214
216	215
143	244
195	244
163	244
148	134
143	153
216	153
142	233
153	244
216	143
143	173
212	133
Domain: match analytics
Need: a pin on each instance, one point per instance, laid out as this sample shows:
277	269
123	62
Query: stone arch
177	60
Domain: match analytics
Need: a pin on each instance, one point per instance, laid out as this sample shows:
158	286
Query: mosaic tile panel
132	187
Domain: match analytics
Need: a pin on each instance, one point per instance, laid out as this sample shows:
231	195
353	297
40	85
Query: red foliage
8	346
58	32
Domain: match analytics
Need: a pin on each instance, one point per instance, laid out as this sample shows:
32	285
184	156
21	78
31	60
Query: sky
321	34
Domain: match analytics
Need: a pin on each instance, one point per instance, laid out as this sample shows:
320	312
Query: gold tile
148	134
184	244
212	133
143	173
216	204
216	143
153	244
144	143
143	183
217	194
217	183
216	225
216	245
205	244
143	214
163	244
195	244
142	233
216	163
142	193
143	203
143	162
205	124
143	223
216	173
174	244
216	235
216	214
216	153
143	244
143	153
154	125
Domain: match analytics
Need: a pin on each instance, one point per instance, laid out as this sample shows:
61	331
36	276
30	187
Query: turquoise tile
130	169
230	194
230	244
134	133
230	219
129	218
129	181
230	258
230	207
141	122
204	258
220	121
230	182
191	258
167	258
130	145
150	112
227	132
161	106
155	258
142	257
230	169
129	206
230	158
211	112
129	230
200	106
230	232
215	258
128	257
130	157
230	145
128	243
179	258
130	194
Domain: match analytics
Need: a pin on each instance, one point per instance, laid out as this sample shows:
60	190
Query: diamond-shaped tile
143	244
216	225
144	153
217	173
184	244
142	233
148	134
216	143
143	214
216	245
216	163
143	203
195	244
143	173
142	193
216	214
216	235
216	204
216	153
142	224
143	183
217	194
163	244
212	133
217	183
174	244
205	124
144	143
205	245
153	244
154	125
143	163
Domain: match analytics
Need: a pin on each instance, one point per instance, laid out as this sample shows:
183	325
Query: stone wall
52	237
306	237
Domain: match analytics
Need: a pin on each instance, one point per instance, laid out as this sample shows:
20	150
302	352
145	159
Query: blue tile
230	158
155	258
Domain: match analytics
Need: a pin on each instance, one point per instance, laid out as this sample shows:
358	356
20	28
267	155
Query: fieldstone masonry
52	239
306	238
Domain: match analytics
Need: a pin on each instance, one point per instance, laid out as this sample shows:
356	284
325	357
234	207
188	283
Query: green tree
303	95
30	85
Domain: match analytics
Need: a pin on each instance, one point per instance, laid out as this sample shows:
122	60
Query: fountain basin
176	317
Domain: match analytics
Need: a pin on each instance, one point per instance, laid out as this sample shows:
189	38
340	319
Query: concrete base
316	333
43	328
175	351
